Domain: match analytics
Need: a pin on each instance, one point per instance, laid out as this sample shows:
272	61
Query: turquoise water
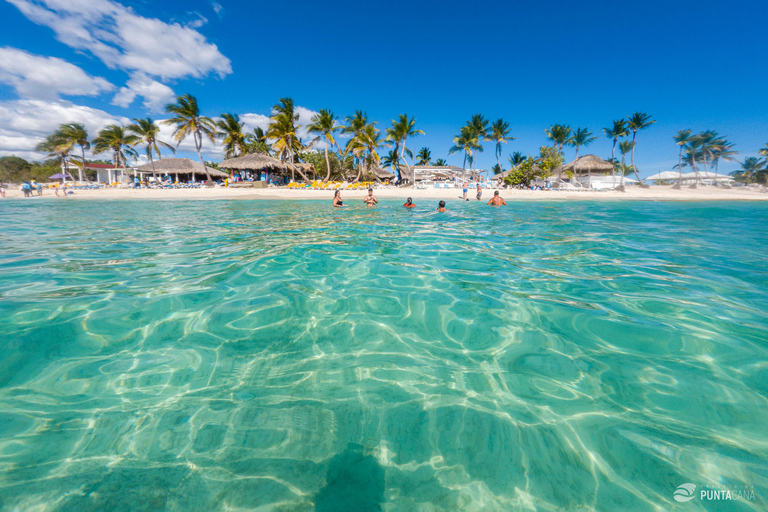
264	355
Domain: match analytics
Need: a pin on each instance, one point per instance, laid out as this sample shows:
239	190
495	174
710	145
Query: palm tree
188	121
618	130
402	128
56	145
722	150
440	162
282	130
581	137
625	147
114	138
635	122
559	135
682	137
478	127
230	130
496	169
465	141
146	132
371	141
692	152
423	157
256	142
763	151
324	123
749	169
516	159
389	161
354	127
500	133
77	135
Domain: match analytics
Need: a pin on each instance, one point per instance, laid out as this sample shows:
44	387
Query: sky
690	65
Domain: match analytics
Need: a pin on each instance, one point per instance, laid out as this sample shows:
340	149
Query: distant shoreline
655	193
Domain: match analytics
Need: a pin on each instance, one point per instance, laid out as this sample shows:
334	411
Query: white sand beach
654	193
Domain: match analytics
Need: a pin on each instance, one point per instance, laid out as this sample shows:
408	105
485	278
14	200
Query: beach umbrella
59	176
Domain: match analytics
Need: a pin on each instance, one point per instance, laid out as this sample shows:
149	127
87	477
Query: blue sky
698	65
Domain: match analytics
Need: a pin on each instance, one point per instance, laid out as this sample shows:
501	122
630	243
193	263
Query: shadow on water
354	481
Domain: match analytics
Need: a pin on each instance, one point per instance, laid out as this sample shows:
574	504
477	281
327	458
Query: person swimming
496	200
409	203
370	199
337	203
441	207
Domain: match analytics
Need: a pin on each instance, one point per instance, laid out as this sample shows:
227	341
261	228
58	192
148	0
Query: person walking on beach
370	199
39	187
2	189
465	190
136	182
337	200
496	200
441	206
479	191
27	189
409	203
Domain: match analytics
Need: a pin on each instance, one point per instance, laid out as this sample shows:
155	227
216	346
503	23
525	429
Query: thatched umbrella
254	162
585	165
180	166
381	174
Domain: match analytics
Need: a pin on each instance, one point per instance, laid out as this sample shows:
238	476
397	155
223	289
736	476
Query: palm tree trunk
327	164
695	170
82	152
643	185
199	146
679	183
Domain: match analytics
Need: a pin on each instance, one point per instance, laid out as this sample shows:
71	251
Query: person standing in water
337	203
409	203
370	199
479	191
465	190
441	206
496	200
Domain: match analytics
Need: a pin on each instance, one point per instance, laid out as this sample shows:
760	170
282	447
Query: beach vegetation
229	129
146	132
115	138
324	124
187	120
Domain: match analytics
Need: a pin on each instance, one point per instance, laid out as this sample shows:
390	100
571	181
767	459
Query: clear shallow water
231	355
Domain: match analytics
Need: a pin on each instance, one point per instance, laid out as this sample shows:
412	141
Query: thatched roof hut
585	165
254	162
382	174
180	166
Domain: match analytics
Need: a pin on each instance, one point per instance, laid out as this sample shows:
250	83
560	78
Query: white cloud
155	94
217	8
36	76
24	123
124	40
187	146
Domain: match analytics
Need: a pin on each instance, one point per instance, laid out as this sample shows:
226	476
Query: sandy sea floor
662	193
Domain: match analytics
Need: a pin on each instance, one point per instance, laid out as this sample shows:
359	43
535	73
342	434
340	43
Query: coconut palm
115	138
354	126
230	130
636	122
763	151
581	137
500	133
56	145
478	126
692	153
256	142
625	147
615	132
559	135
389	161
749	169
402	128
187	120
722	150
423	157
77	135
681	139
465	141
146	132
517	158
324	124
370	139
440	162
282	130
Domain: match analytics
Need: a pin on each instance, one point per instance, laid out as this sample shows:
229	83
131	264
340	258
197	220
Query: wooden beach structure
179	166
256	164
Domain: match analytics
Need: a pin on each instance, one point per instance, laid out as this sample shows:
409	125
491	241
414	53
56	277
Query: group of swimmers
371	200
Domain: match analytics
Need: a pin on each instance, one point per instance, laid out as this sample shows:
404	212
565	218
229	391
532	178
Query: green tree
324	124
58	147
559	135
499	134
478	127
230	130
402	128
77	135
354	127
625	147
681	139
466	141
750	169
424	156
440	162
636	122
256	142
615	132
146	132
282	130
187	120
581	137
516	159
115	138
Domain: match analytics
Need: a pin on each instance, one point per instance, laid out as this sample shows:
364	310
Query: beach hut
381	174
255	162
582	169
179	166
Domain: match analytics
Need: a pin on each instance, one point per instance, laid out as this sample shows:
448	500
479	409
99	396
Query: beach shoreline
654	193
